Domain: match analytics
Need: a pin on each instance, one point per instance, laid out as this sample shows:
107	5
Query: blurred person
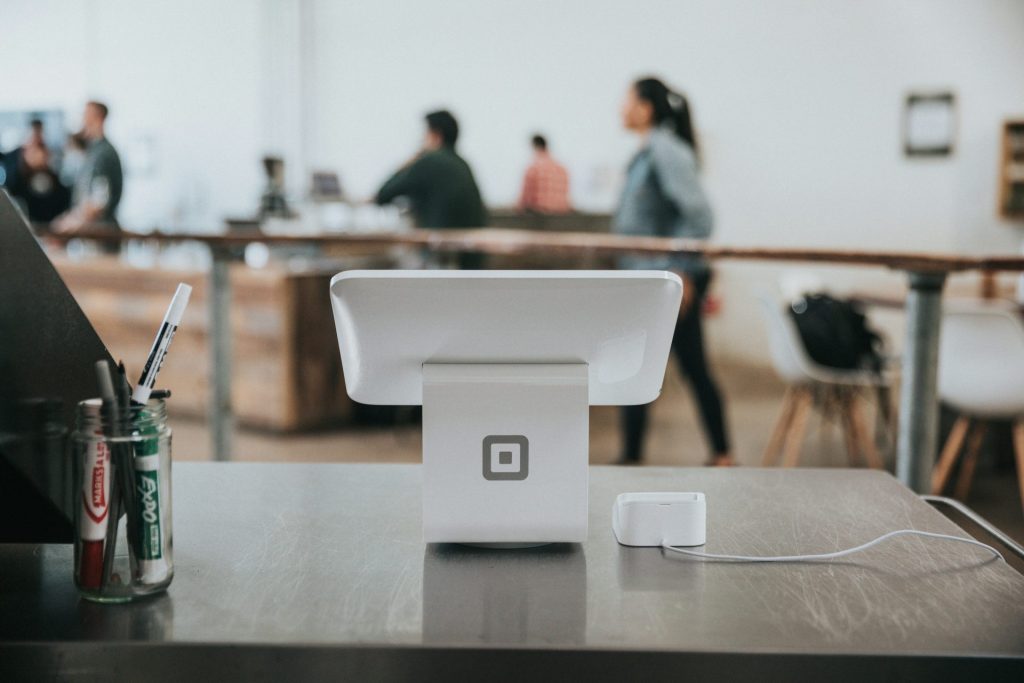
663	197
12	161
97	189
35	136
546	183
74	158
439	184
37	187
32	182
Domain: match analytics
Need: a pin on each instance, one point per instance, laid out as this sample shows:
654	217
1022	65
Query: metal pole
919	407
220	417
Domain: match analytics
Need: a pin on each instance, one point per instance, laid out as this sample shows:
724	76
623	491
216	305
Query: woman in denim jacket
663	197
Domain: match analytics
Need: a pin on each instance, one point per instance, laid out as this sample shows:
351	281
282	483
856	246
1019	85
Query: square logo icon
506	457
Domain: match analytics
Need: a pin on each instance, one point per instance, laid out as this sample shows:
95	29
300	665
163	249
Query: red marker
92	523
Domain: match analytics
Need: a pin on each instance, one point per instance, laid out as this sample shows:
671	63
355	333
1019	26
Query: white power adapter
673	521
658	519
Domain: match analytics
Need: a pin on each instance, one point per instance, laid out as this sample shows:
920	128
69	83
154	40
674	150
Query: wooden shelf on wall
1011	171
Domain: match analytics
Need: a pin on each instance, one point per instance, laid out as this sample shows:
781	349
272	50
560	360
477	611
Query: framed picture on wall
929	124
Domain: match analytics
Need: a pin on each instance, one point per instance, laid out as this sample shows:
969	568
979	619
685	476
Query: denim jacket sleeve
675	168
663	196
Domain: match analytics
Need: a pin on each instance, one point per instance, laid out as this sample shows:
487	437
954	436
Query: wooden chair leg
1018	447
771	450
798	427
867	444
940	476
849	432
831	412
885	421
966	478
828	399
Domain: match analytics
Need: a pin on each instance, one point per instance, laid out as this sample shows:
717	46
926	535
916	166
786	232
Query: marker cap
178	304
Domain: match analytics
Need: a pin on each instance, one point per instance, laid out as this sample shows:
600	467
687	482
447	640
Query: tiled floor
753	400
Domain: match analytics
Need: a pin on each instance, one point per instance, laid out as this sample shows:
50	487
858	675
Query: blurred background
870	125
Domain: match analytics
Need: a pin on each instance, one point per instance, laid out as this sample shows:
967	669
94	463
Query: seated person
438	182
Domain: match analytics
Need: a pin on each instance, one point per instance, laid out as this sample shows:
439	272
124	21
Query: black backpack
835	333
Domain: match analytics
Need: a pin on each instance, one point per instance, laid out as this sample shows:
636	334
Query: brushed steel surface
306	555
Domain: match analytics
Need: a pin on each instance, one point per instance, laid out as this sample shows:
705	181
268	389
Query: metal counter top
320	570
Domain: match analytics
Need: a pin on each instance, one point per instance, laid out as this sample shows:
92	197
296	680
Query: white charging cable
833	555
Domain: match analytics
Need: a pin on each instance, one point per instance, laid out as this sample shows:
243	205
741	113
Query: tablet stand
505	453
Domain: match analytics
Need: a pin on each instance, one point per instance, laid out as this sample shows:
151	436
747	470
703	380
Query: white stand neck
505	453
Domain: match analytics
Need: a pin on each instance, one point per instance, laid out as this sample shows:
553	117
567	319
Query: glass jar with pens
123	544
122	454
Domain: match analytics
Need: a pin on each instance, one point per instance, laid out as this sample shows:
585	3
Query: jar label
95	490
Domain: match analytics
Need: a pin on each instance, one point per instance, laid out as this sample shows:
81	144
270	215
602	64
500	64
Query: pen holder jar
123	546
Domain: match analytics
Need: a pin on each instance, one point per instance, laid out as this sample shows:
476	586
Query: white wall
798	103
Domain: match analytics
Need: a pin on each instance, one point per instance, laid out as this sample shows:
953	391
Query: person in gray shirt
663	197
97	189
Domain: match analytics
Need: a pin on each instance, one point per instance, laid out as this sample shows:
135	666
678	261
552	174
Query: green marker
153	494
149	499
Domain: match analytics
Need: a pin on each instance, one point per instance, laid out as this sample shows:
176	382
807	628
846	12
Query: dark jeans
688	346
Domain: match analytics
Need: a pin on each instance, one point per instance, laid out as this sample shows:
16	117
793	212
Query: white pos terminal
505	364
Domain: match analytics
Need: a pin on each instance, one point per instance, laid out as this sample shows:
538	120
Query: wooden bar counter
286	370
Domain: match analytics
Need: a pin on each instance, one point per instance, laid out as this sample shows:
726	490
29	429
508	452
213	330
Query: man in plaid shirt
546	184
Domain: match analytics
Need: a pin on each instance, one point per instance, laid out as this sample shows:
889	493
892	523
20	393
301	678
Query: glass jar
123	539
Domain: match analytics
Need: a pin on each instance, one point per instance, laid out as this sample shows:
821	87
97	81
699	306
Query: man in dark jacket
439	184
